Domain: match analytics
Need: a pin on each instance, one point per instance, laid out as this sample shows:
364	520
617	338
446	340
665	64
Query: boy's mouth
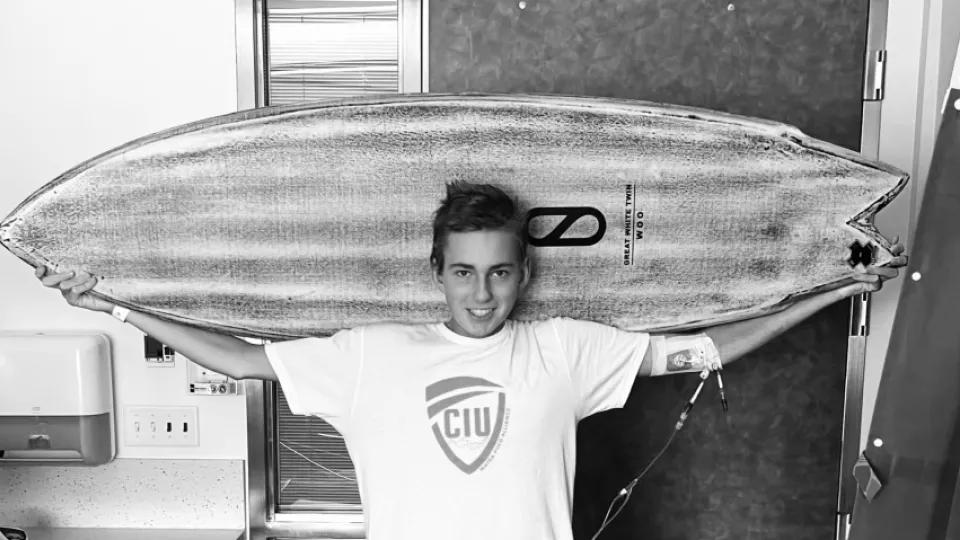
481	314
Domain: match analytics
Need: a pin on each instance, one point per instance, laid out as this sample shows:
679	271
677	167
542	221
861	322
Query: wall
949	37
81	78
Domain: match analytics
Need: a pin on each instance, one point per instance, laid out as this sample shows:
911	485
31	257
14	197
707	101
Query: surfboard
300	220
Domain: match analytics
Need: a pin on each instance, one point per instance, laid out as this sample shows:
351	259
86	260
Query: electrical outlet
205	382
161	426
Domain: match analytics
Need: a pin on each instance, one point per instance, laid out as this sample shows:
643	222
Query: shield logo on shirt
467	417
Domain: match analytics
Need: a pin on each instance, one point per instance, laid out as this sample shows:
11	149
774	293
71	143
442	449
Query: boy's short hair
476	207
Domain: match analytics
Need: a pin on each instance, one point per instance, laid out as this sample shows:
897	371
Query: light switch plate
161	426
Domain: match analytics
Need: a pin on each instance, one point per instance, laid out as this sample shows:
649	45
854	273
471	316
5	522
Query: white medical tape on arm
683	354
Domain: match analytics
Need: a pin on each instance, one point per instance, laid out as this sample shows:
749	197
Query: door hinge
875	75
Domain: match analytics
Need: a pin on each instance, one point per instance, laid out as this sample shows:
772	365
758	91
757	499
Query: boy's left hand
871	279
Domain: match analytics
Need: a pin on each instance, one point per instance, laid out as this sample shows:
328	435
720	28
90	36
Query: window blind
315	470
323	49
331	49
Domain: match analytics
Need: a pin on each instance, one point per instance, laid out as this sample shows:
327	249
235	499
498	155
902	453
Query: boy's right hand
74	288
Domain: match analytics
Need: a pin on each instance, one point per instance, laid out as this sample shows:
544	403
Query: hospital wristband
120	313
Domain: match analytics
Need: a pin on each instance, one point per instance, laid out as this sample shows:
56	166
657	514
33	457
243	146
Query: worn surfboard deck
302	220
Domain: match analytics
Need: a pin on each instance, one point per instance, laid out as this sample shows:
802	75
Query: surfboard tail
864	223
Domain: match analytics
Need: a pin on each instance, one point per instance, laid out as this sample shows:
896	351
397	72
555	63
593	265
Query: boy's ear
437	275
525	268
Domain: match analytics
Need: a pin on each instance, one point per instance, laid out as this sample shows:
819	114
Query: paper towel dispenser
56	400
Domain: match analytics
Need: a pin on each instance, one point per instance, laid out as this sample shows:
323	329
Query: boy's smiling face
482	279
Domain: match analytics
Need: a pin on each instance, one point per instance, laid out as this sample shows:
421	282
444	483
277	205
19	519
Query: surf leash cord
628	490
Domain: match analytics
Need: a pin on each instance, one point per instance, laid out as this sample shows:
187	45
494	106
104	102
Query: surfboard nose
11	238
6	231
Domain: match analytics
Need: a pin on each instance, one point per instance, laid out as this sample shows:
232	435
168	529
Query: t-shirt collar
493	339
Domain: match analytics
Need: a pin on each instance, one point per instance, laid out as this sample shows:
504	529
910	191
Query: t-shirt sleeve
319	375
603	362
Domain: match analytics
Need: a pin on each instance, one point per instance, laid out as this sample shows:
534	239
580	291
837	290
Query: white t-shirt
457	437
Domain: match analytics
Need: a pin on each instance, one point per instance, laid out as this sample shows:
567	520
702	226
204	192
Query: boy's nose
482	291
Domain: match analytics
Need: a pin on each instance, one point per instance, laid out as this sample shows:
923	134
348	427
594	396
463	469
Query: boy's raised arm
228	355
734	340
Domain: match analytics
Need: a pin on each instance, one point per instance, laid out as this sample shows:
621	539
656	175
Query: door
769	467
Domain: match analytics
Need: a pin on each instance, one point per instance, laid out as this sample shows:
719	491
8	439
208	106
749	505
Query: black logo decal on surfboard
861	254
571	214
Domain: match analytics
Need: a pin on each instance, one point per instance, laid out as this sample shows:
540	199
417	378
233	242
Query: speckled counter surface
133	534
130	494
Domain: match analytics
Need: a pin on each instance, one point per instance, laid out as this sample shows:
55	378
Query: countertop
132	534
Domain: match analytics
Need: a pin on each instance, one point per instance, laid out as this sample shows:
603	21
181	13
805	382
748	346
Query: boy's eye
461	273
501	273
